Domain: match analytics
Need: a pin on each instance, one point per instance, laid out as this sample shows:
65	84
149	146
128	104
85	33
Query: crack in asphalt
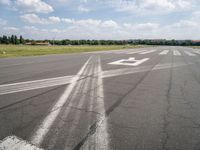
192	72
167	111
98	123
124	126
191	120
188	103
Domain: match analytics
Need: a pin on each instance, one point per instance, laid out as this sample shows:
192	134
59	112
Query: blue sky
101	19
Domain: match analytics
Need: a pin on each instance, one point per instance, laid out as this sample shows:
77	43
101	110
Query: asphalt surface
139	99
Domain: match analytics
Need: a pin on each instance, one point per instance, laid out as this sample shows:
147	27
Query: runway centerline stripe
44	127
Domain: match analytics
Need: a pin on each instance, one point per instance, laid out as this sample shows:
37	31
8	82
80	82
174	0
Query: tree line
13	39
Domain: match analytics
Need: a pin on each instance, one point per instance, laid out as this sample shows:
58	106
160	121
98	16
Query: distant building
196	41
37	43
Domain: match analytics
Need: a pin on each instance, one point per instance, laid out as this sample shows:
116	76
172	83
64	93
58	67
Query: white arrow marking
129	62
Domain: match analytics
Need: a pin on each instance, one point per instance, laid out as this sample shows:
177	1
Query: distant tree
15	39
64	42
12	39
9	40
21	39
5	39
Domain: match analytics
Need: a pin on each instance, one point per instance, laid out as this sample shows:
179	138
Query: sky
101	19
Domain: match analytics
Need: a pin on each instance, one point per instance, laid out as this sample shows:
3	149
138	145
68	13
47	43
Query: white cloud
91	29
36	33
54	19
186	24
196	13
83	9
84	1
67	20
110	29
184	29
110	24
150	6
184	4
95	29
91	23
88	22
35	19
98	29
195	16
11	29
5	2
143	26
2	22
37	6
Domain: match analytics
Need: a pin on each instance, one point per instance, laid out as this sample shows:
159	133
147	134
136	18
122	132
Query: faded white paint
197	52
44	127
189	53
32	85
176	53
90	71
15	143
164	52
100	139
136	52
149	51
80	89
126	71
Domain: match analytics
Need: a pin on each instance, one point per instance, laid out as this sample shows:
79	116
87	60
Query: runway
141	99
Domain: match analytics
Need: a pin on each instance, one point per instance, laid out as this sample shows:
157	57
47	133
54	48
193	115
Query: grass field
197	47
25	50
